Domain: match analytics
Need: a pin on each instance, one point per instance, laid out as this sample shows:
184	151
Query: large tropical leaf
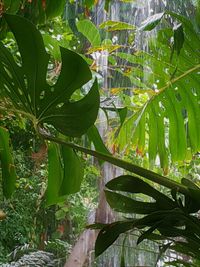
65	173
29	91
170	118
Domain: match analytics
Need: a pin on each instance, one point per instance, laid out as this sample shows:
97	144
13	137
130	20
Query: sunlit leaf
90	31
111	25
109	48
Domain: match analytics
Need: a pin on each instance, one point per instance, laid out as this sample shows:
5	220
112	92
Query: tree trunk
82	250
84	247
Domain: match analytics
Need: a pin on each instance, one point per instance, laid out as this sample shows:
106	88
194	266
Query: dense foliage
60	99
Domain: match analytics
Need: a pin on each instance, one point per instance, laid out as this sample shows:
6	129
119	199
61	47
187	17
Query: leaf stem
179	78
150	175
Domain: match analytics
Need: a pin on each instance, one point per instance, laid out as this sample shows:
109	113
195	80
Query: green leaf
95	138
108	47
131	184
52	45
7	164
65	173
55	174
126	204
29	91
122	114
111	25
151	22
74	118
167	216
147	233
73	172
154	133
178	38
89	30
189	184
170	116
12	6
109	234
54	8
167	219
195	196
128	57
185	248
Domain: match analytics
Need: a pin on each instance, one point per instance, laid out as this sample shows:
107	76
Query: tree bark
81	252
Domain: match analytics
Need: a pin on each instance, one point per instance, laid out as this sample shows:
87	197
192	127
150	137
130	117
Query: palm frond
168	125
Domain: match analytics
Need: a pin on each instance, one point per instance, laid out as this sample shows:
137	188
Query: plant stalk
147	174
